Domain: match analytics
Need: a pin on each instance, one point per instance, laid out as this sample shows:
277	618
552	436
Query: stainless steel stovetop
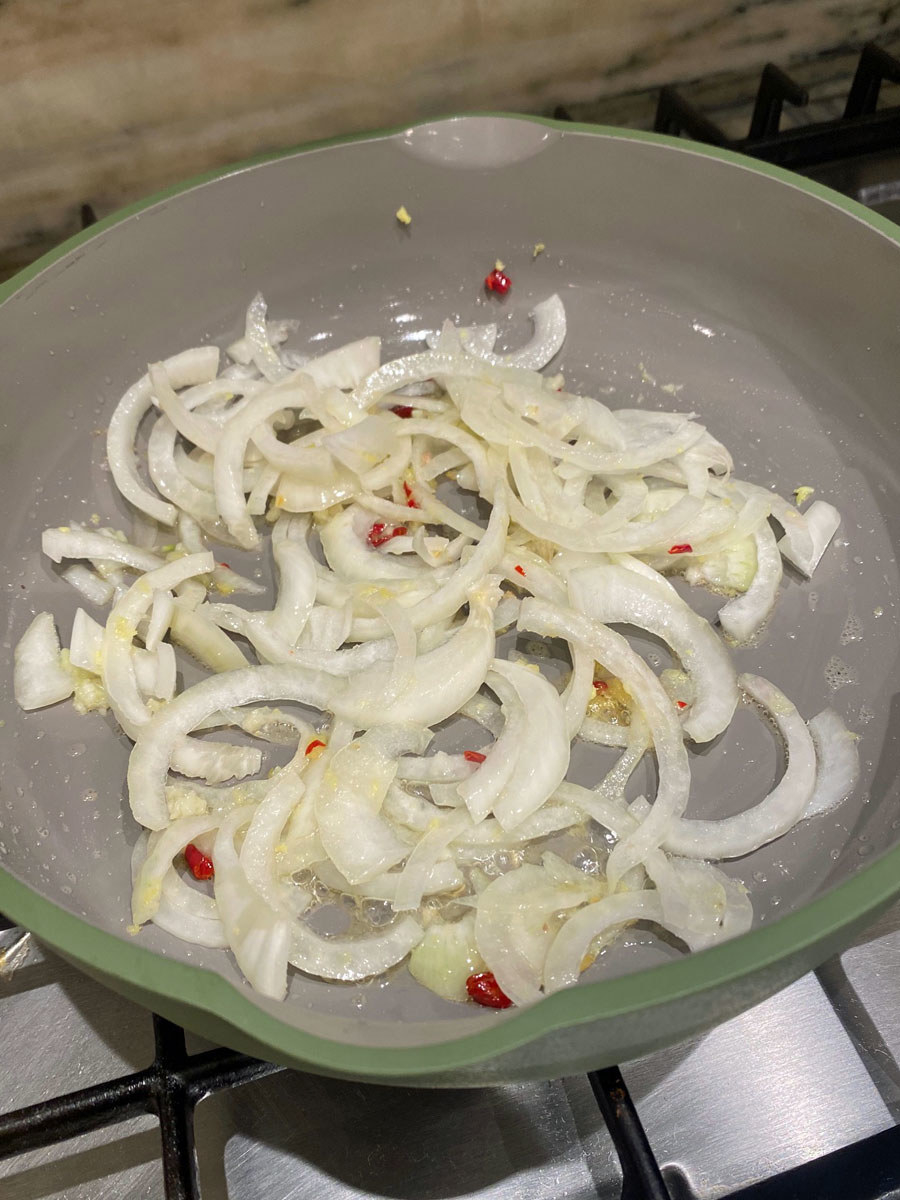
814	1069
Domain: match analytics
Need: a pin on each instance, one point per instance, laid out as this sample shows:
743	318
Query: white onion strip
731	837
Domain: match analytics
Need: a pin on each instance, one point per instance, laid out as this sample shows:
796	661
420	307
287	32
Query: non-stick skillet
773	301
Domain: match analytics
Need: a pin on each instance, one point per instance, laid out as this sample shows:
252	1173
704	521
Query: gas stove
797	1099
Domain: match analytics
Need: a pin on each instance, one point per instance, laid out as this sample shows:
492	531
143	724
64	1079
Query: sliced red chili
521	570
379	533
225	565
199	864
600	685
484	989
410	498
314	745
473	756
497	281
682	548
403	410
681	703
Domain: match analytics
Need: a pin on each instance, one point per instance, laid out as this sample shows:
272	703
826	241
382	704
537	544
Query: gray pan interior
773	312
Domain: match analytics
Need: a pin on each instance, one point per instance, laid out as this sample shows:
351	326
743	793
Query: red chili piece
403	410
379	533
682	548
681	703
225	565
473	756
521	570
199	864
410	498
498	282
484	989
313	744
600	685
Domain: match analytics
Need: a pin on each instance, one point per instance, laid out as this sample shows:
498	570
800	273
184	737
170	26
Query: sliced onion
481	790
541	758
474	339
443	679
743	617
549	317
118	668
88	583
228	470
586	506
86	643
837	763
258	852
349	554
456	589
444	876
356	837
602	733
201	431
731	837
514	925
345	366
446	957
616	595
259	936
420	864
564	957
256	332
436	768
353	958
158	739
822	521
192	366
213	762
188	914
203	640
39	678
58	544
148	883
490	834
642	685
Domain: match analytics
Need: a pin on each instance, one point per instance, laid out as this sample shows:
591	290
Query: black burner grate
170	1087
177	1081
863	128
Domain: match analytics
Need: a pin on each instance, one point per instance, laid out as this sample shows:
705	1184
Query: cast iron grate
863	128
173	1085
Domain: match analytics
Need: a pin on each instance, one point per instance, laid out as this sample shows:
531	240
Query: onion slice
744	616
619	596
837	763
731	837
38	676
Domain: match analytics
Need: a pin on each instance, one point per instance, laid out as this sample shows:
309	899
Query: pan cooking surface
689	284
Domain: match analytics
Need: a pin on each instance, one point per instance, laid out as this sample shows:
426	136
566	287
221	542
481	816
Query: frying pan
769	303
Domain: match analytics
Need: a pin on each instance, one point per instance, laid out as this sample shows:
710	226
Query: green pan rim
845	906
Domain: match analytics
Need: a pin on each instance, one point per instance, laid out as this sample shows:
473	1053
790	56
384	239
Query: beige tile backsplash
104	101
